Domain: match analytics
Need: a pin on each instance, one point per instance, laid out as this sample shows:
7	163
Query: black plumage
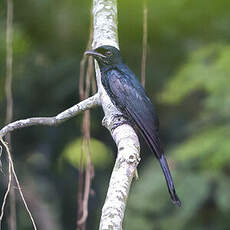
128	95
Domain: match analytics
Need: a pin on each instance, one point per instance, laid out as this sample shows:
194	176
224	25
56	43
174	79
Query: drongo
128	95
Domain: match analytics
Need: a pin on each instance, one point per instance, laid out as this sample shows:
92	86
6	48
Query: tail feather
154	144
168	177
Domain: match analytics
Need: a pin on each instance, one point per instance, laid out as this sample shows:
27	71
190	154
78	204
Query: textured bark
50	121
105	33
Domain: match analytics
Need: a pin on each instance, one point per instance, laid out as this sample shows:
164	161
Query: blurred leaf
223	193
210	148
100	155
206	68
21	43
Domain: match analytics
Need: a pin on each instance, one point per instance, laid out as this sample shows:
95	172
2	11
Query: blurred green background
188	73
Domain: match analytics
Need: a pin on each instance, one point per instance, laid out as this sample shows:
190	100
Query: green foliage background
188	74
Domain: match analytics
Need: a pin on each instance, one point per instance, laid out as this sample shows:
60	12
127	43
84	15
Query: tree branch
51	121
105	33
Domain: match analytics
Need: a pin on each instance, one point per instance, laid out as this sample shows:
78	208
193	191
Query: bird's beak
94	53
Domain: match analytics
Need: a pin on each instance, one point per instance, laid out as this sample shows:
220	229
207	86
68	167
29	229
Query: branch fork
125	137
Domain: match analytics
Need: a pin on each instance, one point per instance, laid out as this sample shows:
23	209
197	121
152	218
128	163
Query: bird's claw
118	120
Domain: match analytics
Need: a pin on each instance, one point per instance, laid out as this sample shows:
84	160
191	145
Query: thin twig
93	82
82	63
81	78
84	91
0	159
8	186
9	97
144	44
89	169
80	188
89	73
86	132
9	61
11	165
84	216
51	121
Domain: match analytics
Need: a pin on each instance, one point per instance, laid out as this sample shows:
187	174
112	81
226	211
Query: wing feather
130	97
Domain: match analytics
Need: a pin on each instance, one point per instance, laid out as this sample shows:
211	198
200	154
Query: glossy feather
128	95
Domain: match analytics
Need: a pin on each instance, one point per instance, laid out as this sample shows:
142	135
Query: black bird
128	95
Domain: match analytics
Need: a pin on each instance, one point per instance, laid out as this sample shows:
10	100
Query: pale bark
105	33
50	121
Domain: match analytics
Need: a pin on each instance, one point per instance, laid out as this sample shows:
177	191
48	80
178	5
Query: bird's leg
120	119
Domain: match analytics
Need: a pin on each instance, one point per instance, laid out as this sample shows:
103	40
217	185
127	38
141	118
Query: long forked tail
168	177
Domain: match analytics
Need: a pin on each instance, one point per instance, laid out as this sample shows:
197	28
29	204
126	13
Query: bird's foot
118	120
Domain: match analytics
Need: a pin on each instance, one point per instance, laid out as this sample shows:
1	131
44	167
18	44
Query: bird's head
106	55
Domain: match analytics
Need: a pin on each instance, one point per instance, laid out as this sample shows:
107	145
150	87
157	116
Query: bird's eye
108	53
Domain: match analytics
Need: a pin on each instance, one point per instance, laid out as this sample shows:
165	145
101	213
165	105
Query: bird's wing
130	96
